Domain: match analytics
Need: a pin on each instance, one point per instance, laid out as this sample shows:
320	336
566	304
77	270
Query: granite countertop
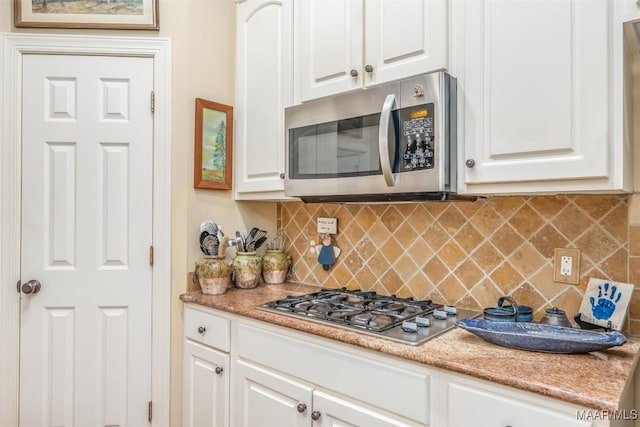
584	379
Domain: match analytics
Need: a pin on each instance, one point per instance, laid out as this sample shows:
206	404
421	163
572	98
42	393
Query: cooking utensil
259	242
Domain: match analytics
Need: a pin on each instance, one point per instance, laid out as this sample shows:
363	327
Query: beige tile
468	208
420	251
451	220
435	270
506	278
391	282
597	206
451	254
420	219
378	234
405	267
548	206
487	257
572	222
435	236
506	239
420	285
365	218
451	289
365	278
341	274
634	305
547	239
634	271
405	234
468	238
435	208
378	264
487	294
365	248
352	261
353	232
634	240
392	219
634	209
525	294
597	244
486	220
469	302
468	273
527	260
569	301
526	221
507	205
616	223
543	282
392	250
616	266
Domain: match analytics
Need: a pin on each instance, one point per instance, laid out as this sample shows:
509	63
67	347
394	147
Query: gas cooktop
403	320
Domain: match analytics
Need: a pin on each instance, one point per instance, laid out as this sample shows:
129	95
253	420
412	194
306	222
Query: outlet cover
566	265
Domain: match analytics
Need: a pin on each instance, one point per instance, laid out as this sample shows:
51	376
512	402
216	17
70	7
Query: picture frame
213	145
89	14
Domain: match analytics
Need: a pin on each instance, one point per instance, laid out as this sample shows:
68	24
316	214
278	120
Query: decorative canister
247	267
214	274
275	264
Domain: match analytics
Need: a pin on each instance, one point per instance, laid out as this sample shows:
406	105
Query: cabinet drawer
358	375
471	405
207	328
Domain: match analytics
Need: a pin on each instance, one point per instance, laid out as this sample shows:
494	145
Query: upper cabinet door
329	47
534	85
264	89
404	38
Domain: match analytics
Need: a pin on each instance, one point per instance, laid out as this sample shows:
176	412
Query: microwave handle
383	139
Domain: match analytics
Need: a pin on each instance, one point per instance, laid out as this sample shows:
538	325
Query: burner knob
315	415
301	407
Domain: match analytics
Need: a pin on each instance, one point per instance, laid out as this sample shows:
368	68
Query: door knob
31	287
315	415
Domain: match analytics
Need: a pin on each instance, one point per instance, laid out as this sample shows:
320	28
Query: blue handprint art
608	297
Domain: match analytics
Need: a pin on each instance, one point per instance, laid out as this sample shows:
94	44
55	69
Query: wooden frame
213	145
96	14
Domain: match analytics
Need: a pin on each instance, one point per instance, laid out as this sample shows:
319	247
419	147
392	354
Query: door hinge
150	410
153	102
151	256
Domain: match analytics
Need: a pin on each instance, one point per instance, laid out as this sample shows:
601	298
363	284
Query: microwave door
387	140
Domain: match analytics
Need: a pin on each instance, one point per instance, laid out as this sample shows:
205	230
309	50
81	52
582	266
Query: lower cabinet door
332	411
469	406
205	387
265	398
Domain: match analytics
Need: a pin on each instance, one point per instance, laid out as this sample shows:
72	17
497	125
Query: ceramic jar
247	267
275	265
213	274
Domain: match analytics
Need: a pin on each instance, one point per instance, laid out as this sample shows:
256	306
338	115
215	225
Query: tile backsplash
471	253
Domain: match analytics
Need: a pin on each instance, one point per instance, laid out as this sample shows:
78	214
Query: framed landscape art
102	14
213	145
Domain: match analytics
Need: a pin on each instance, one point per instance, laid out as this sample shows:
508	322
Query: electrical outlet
566	265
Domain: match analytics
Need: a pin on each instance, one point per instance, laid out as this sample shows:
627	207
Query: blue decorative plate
541	337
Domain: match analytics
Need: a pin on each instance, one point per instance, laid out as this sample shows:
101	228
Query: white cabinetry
263	90
540	87
344	45
205	375
307	382
281	377
482	404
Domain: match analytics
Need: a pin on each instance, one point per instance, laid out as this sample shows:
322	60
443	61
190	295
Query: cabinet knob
202	329
219	370
315	415
470	163
281	175
354	73
301	407
368	68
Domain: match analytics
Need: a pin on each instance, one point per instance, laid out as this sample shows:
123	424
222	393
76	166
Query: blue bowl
509	313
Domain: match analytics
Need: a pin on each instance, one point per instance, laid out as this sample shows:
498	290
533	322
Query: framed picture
214	145
103	14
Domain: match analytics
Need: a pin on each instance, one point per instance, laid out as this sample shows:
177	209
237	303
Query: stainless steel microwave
395	142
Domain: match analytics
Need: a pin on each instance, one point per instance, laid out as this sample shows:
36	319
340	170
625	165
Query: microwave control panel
417	143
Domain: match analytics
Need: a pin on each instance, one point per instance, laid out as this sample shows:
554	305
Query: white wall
203	48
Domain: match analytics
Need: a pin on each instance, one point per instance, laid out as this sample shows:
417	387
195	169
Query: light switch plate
566	266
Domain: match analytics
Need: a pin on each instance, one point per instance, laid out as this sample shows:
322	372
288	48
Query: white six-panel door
85	345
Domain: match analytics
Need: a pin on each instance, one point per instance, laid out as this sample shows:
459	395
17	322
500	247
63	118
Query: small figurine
326	255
